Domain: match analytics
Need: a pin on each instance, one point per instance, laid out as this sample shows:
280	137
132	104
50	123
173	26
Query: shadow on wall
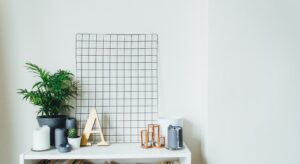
194	143
5	125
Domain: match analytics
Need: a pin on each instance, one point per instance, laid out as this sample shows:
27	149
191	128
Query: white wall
43	32
252	62
254	82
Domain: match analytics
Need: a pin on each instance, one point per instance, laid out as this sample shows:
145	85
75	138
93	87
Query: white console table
115	152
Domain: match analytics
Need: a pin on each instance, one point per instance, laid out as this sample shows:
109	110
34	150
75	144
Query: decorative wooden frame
151	137
144	136
156	136
162	141
151	130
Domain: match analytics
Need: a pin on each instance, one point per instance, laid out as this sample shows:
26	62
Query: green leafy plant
52	93
72	133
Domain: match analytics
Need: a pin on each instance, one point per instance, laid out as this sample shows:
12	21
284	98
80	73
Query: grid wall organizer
117	75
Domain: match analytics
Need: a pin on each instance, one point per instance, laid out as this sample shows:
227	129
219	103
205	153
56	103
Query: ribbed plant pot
53	122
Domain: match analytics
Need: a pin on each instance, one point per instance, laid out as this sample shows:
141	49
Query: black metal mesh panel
118	75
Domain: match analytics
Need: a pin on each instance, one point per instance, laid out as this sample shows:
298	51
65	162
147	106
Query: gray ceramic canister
70	123
60	136
175	138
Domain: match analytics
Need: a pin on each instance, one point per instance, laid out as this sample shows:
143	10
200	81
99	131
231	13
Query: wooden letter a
88	130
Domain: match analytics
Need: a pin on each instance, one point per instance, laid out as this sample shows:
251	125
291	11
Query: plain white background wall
254	82
253	66
43	32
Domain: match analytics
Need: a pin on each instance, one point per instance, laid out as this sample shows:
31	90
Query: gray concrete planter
52	122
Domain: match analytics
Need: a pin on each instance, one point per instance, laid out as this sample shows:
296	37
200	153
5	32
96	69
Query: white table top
114	151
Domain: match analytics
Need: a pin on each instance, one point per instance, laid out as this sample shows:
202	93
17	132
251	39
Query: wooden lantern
156	136
145	139
162	141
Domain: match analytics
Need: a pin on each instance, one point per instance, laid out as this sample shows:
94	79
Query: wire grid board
118	75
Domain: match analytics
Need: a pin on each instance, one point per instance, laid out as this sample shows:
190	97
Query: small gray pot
53	122
70	123
64	148
60	136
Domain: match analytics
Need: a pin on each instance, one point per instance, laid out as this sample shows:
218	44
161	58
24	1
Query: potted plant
73	139
52	93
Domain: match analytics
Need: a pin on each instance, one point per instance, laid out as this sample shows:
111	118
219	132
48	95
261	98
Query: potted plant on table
52	93
73	139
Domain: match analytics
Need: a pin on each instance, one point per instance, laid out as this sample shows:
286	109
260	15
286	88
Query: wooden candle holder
156	136
145	139
162	141
151	137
